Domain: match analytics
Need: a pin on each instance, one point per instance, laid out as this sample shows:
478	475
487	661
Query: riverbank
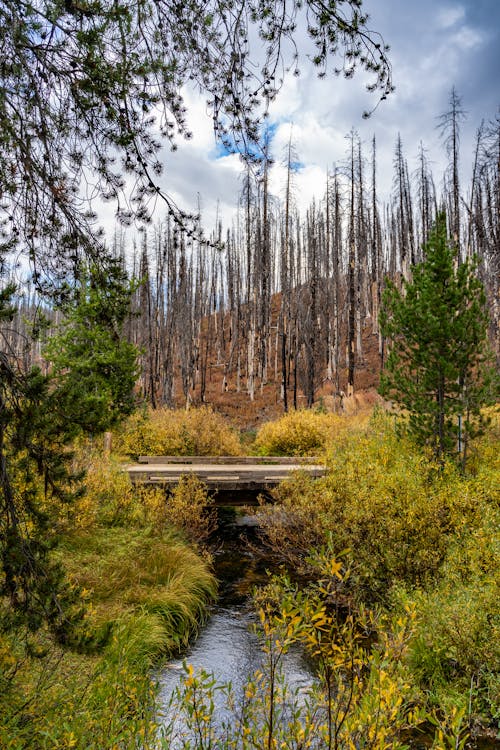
314	641
145	593
412	550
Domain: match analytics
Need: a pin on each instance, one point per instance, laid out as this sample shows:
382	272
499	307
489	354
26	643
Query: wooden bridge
242	476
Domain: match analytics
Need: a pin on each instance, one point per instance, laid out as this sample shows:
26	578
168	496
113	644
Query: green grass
127	568
148	593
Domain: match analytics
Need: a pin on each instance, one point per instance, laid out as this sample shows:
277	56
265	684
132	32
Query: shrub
190	509
108	498
298	433
359	696
166	432
112	500
458	636
418	534
383	500
295	523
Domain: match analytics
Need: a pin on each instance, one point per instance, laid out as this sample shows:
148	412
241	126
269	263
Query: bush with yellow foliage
170	432
416	532
299	433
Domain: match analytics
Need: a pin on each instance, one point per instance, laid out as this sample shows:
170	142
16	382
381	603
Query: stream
227	647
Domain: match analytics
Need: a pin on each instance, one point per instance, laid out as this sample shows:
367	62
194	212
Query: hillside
223	393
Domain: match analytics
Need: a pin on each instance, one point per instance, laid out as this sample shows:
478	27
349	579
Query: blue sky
435	45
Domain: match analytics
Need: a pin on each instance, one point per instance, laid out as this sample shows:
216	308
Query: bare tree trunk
351	290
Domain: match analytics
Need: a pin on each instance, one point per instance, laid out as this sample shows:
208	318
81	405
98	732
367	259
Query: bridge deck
221	473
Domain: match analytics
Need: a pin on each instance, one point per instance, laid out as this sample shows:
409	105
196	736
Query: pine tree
88	387
92	368
91	91
438	368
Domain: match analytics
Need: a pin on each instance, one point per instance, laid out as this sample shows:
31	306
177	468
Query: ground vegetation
144	593
397	604
414	535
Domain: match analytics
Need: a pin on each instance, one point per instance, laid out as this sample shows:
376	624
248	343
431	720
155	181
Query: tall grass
147	594
124	569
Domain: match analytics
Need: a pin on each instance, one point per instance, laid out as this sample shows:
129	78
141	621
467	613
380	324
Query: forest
361	334
393	548
289	305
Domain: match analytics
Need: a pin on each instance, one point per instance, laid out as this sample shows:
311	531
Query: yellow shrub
386	502
298	433
190	509
166	432
151	506
109	498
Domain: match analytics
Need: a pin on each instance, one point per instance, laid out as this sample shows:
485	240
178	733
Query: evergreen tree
438	368
88	388
93	368
90	90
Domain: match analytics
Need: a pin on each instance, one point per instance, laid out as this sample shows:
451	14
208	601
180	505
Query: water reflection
230	650
227	648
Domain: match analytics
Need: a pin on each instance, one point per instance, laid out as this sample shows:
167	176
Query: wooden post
108	439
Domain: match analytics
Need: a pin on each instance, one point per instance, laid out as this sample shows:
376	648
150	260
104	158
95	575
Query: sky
435	45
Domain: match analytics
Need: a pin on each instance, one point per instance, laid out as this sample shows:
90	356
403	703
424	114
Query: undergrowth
145	592
303	433
405	630
417	534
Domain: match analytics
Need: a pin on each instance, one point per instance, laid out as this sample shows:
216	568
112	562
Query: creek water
228	647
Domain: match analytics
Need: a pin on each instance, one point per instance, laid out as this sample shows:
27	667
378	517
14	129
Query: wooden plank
233	471
250	479
229	460
240	474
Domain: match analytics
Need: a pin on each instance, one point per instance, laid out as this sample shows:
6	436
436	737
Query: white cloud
449	16
436	44
289	100
467	39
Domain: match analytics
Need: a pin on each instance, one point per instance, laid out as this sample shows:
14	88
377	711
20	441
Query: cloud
435	45
467	38
449	16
